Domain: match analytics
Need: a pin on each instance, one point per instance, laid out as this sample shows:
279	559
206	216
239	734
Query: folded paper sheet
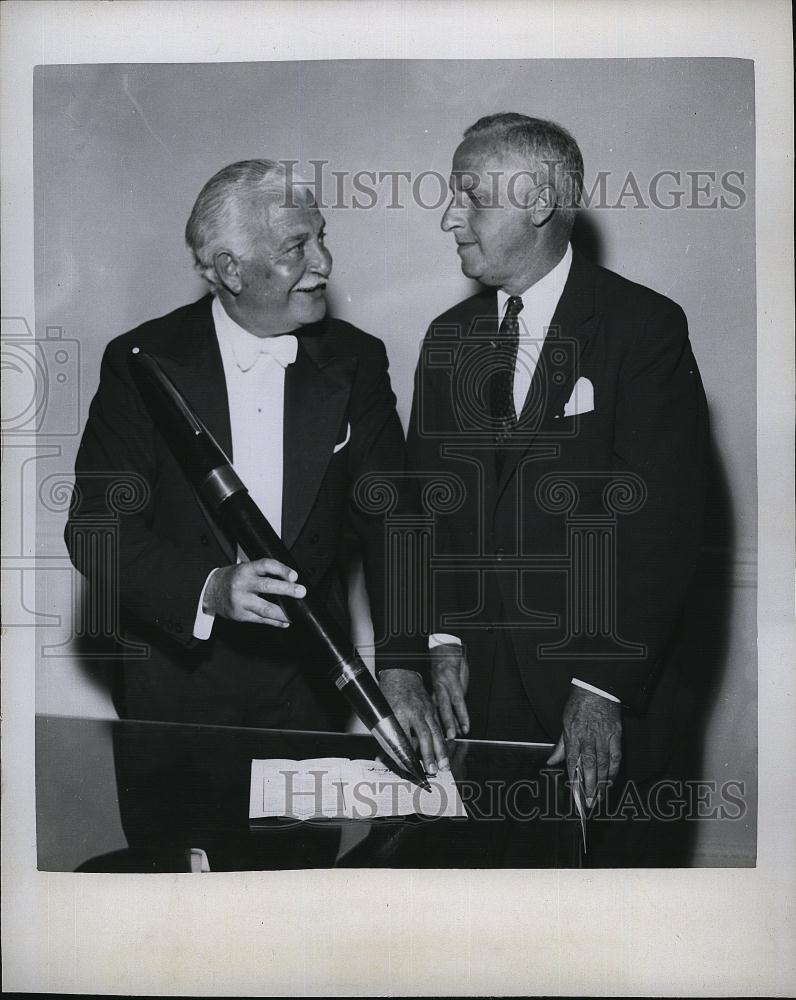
339	788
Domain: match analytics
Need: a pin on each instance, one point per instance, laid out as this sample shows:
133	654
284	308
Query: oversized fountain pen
213	477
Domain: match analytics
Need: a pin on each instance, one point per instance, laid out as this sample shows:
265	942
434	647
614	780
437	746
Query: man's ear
227	268
543	205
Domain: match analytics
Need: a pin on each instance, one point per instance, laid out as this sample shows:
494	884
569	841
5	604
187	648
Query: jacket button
314	537
204	539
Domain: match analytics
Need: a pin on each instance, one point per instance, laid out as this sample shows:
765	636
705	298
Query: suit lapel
317	390
556	372
193	361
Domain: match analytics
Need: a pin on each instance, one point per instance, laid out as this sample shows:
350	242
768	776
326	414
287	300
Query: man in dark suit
566	402
303	405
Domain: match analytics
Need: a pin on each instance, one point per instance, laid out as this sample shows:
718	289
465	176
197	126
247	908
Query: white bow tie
282	349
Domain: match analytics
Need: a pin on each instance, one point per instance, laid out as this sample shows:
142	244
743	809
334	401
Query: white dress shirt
539	303
254	370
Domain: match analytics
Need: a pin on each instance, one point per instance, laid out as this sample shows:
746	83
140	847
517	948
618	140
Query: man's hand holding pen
415	711
432	719
240	592
591	741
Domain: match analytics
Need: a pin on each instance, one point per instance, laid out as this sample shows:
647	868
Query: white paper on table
300	789
373	790
339	788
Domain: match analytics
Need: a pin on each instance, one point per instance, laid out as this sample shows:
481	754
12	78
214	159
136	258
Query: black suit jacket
582	549
167	542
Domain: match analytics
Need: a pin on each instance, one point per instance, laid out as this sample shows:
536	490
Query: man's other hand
450	676
591	738
414	710
239	592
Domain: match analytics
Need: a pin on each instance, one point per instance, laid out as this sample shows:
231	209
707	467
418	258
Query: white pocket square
581	400
344	442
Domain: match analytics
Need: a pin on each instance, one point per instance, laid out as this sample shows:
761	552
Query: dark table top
176	787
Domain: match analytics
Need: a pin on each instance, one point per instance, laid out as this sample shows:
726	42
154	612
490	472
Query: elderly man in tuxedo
303	405
566	402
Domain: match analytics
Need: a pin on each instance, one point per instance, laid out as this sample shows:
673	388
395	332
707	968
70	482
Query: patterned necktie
501	395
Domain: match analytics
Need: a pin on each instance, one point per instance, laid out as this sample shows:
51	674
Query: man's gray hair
232	200
541	144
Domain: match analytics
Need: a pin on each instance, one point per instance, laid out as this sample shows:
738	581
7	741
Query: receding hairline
508	139
492	143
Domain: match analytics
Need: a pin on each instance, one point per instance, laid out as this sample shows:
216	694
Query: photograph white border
618	932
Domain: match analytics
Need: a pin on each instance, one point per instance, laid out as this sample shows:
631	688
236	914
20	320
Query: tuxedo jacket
580	550
167	542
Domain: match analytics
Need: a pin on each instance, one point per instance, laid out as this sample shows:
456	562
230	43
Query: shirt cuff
594	690
441	639
203	623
